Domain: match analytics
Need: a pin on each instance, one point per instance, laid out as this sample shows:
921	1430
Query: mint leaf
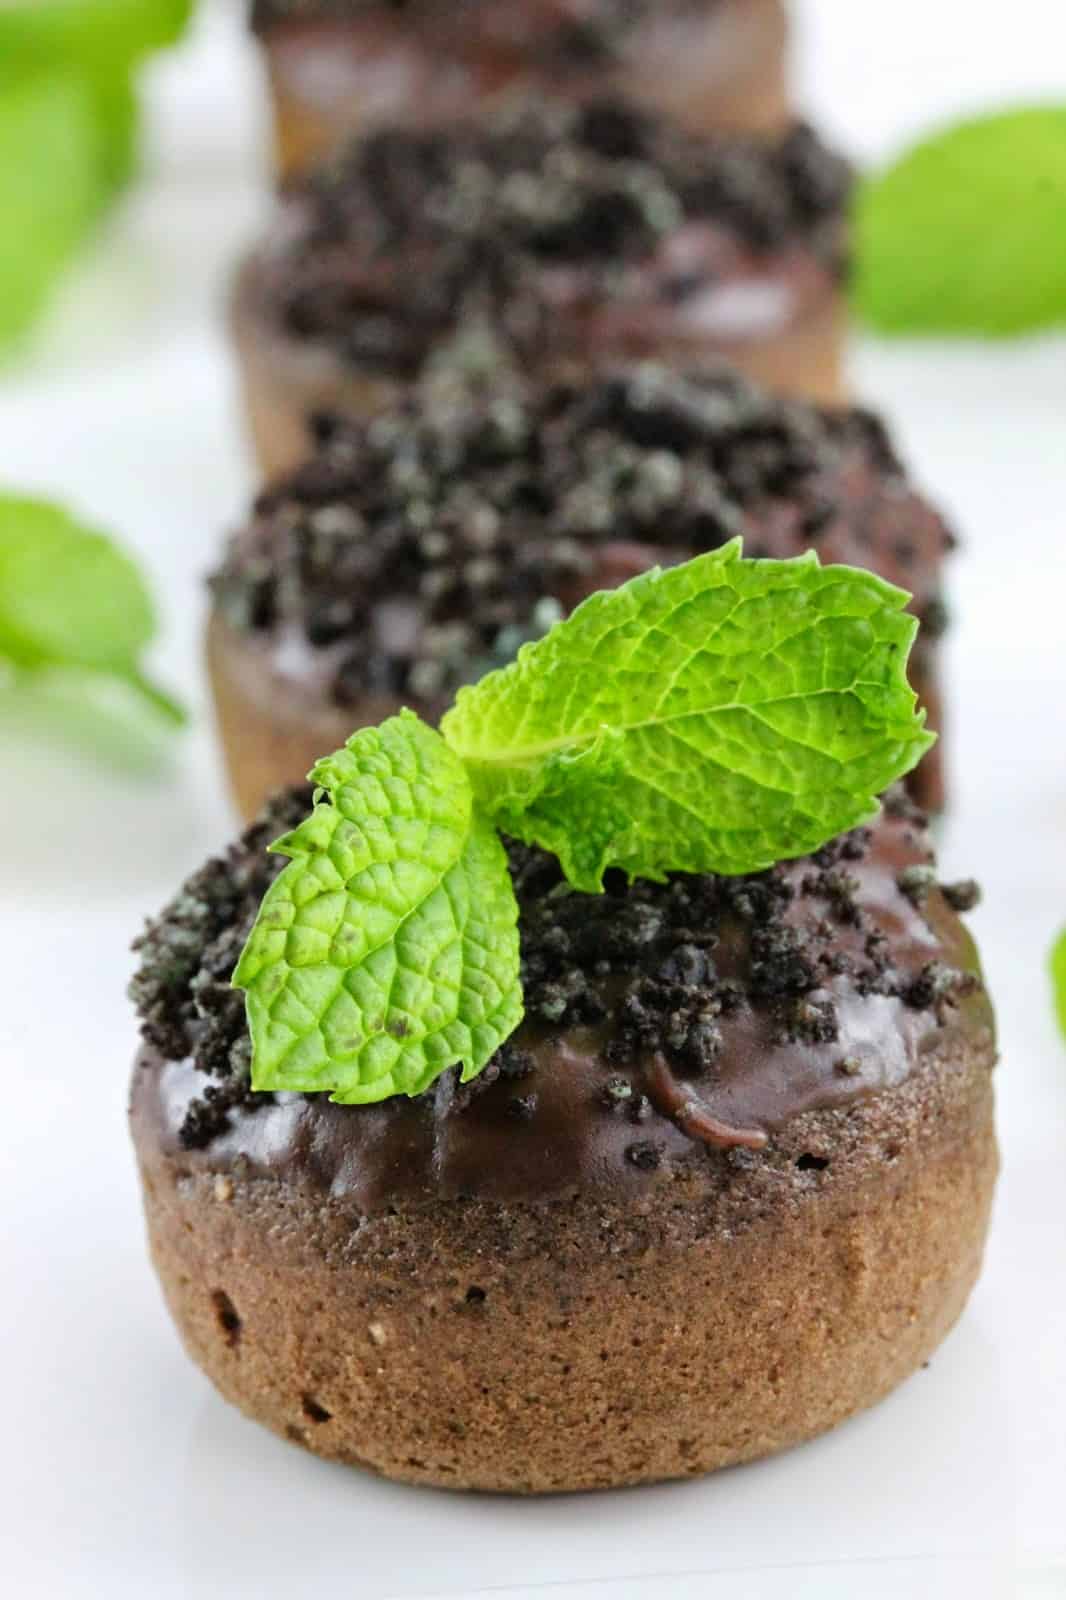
967	232
70	599
716	717
51	190
41	33
387	949
720	716
68	130
1058	978
118	124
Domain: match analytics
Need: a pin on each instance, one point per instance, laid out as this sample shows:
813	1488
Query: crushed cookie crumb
962	896
412	244
641	965
645	1154
916	882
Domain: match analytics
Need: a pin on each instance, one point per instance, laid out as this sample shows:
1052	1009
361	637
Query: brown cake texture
338	68
412	554
728	1184
546	240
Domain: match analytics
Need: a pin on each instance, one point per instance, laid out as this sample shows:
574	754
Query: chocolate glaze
579	1106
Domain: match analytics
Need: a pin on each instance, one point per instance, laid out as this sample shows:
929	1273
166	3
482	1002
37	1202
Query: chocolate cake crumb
522	1107
916	882
936	987
962	896
181	987
936	618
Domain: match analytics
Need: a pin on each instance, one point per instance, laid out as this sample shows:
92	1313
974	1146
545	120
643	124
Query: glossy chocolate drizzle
564	1110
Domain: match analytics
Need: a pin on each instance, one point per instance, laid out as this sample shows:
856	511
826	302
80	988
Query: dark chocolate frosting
546	228
666	1024
578	31
415	553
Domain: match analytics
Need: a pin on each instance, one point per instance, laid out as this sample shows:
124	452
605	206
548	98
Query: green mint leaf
1058	978
38	34
386	951
68	130
118	124
51	190
967	232
716	717
70	599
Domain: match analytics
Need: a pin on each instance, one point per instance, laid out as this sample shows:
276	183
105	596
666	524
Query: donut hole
475	1295
227	1318
811	1163
313	1411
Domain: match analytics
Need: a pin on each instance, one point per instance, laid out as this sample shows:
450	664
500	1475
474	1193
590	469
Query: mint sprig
966	233
716	717
70	600
387	950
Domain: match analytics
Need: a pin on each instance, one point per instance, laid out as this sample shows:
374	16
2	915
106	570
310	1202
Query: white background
122	1474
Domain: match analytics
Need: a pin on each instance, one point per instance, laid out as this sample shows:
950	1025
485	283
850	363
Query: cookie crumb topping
656	971
418	552
457	243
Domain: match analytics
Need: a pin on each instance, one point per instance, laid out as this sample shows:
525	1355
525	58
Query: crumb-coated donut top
417	552
663	1021
544	224
580	31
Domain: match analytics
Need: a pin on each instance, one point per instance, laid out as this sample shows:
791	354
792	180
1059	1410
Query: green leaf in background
68	130
51	190
716	717
966	233
387	950
1058	978
69	599
118	125
37	34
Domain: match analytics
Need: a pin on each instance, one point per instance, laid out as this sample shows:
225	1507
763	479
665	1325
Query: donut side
583	1344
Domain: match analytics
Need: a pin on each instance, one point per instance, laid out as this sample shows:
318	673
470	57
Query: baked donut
550	240
339	67
410	555
728	1183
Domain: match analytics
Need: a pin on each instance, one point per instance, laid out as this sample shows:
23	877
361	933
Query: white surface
123	1475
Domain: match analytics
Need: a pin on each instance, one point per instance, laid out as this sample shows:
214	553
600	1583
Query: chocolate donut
340	67
411	555
550	241
728	1183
